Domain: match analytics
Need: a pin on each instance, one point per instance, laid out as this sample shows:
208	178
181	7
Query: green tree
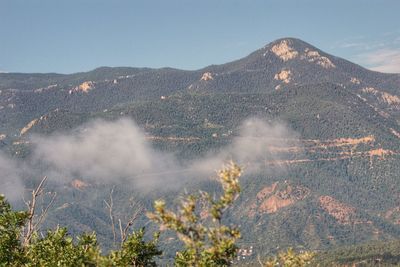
290	259
198	224
207	241
11	222
136	252
57	248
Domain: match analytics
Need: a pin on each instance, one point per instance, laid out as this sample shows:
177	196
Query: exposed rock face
395	133
83	87
380	153
43	89
79	184
352	141
338	149
379	111
340	211
284	76
314	56
274	203
2	137
34	122
86	86
277	196
355	80
383	97
284	51
266	191
28	127
207	76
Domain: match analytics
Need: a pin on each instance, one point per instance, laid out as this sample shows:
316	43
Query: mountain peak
284	49
288	39
287	49
296	43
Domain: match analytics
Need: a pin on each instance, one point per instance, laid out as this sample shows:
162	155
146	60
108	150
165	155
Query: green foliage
57	248
11	252
290	259
136	252
207	241
321	104
369	254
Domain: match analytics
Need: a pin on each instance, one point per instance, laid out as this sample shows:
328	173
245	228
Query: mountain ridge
297	43
340	183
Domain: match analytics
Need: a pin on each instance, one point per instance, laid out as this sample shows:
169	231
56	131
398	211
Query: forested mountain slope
335	183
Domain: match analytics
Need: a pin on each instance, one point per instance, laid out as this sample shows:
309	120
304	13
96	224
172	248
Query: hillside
369	254
329	178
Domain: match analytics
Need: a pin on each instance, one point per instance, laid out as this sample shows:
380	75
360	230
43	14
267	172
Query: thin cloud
10	179
350	45
382	60
362	45
380	54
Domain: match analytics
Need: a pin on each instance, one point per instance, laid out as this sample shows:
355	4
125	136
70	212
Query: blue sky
78	35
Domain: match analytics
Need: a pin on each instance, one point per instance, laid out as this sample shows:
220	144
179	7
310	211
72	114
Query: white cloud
383	60
118	151
10	179
104	151
381	53
351	44
256	143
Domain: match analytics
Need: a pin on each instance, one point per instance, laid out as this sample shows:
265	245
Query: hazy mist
113	152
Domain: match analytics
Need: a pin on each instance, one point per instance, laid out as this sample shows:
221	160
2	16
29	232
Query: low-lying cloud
255	144
104	151
115	152
10	179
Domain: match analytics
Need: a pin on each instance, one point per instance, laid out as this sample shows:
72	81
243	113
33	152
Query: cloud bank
118	152
103	151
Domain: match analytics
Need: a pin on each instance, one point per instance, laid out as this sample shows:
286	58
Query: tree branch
110	206
32	224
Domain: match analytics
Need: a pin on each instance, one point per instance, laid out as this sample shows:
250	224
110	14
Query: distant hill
369	254
341	183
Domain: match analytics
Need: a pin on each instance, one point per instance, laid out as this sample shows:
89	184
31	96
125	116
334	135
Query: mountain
340	182
284	63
